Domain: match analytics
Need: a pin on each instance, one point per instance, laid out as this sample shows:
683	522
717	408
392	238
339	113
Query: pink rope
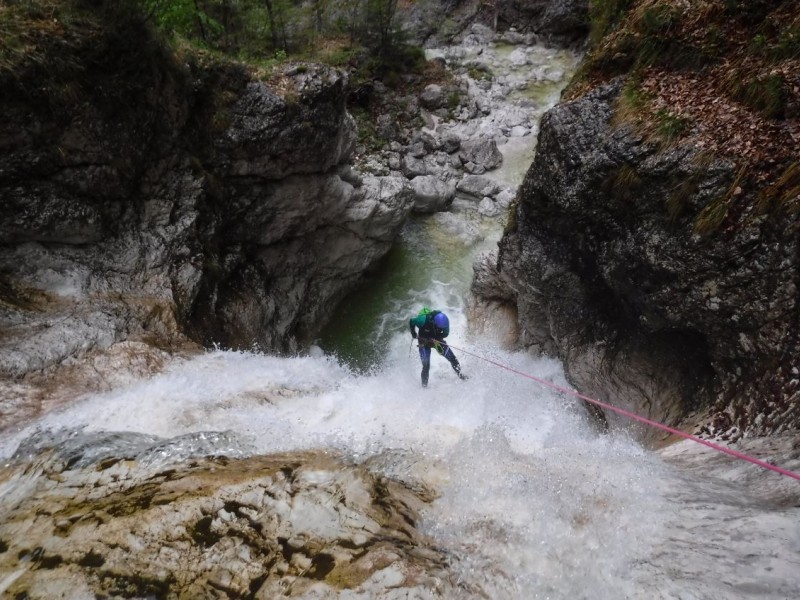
635	417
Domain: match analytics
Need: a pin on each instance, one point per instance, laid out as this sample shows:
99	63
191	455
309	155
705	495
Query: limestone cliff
655	246
152	196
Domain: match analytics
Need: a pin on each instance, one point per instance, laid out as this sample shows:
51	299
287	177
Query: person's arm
411	324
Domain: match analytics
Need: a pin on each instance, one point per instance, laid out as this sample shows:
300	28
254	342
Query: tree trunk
273	28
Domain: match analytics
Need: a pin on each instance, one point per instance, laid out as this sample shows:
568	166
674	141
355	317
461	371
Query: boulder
270	136
431	194
413	166
432	97
386	127
450	142
488	208
478	186
518	57
480	155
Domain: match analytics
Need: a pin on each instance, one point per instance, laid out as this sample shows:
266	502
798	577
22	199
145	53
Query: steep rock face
646	312
168	199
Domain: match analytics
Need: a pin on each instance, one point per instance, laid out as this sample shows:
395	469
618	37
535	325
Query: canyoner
433	327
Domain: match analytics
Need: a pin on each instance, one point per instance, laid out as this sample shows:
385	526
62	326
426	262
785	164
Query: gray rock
417	150
413	166
450	142
431	194
518	57
205	524
432	97
488	208
505	197
643	310
272	137
386	127
478	186
512	37
482	155
144	239
428	141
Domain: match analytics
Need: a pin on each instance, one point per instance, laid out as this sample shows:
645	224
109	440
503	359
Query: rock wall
646	311
437	22
152	198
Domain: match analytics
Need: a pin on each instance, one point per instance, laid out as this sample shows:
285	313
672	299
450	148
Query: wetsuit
430	336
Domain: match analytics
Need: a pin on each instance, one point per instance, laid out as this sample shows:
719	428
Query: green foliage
271	31
367	133
765	93
479	73
184	17
46	45
604	16
787	45
634	107
340	57
393	62
670	126
777	47
658	19
453	100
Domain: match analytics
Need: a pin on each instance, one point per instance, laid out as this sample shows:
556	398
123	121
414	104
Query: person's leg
451	357
425	357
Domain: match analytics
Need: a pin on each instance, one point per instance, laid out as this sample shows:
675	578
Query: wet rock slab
290	525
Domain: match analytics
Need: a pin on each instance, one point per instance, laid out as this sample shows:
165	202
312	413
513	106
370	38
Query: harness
427	332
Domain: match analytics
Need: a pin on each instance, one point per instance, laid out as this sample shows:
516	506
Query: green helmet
425	311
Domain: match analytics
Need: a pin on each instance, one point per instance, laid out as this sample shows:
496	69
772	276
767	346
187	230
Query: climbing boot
457	369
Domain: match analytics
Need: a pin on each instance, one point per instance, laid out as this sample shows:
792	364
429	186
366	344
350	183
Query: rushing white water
533	502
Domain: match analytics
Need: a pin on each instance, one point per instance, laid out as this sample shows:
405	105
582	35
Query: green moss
634	108
367	133
670	126
511	222
604	16
766	93
478	74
